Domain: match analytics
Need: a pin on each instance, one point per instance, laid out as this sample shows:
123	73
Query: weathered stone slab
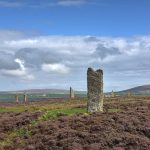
25	98
17	99
95	90
72	95
112	94
129	94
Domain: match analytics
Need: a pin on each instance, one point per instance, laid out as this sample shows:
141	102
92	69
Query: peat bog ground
65	125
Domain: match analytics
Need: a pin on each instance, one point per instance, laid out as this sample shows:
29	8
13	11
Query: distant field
34	97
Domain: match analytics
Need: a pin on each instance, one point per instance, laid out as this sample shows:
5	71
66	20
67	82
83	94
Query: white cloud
6	35
43	4
21	64
49	57
58	68
71	2
10	4
21	72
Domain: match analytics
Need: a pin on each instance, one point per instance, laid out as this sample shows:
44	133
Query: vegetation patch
114	110
52	114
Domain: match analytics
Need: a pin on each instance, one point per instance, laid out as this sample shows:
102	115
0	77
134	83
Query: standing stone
95	90
25	98
129	94
17	99
71	93
112	94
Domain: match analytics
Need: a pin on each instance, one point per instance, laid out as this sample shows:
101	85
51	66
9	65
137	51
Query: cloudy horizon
51	44
62	61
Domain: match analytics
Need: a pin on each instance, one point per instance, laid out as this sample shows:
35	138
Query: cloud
102	51
42	4
65	59
7	61
59	68
71	2
8	35
11	4
21	72
34	57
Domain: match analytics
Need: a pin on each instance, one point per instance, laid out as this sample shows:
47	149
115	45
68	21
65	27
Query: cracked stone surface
95	90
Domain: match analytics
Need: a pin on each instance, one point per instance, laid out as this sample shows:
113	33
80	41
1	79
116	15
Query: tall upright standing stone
25	98
17	99
112	94
129	94
71	93
95	90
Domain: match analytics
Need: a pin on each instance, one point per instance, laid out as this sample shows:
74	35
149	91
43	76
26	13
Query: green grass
52	114
13	109
114	110
3	144
23	132
45	106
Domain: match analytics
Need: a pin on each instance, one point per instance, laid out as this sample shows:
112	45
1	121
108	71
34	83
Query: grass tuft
114	110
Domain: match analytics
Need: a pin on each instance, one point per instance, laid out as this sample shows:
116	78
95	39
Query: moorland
64	124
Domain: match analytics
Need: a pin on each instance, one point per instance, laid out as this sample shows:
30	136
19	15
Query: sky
51	43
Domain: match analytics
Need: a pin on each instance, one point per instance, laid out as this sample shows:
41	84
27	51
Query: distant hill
38	94
144	89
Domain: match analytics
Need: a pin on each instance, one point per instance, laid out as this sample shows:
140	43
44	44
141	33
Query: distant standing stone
17	100
95	90
25	98
71	93
112	94
129	94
